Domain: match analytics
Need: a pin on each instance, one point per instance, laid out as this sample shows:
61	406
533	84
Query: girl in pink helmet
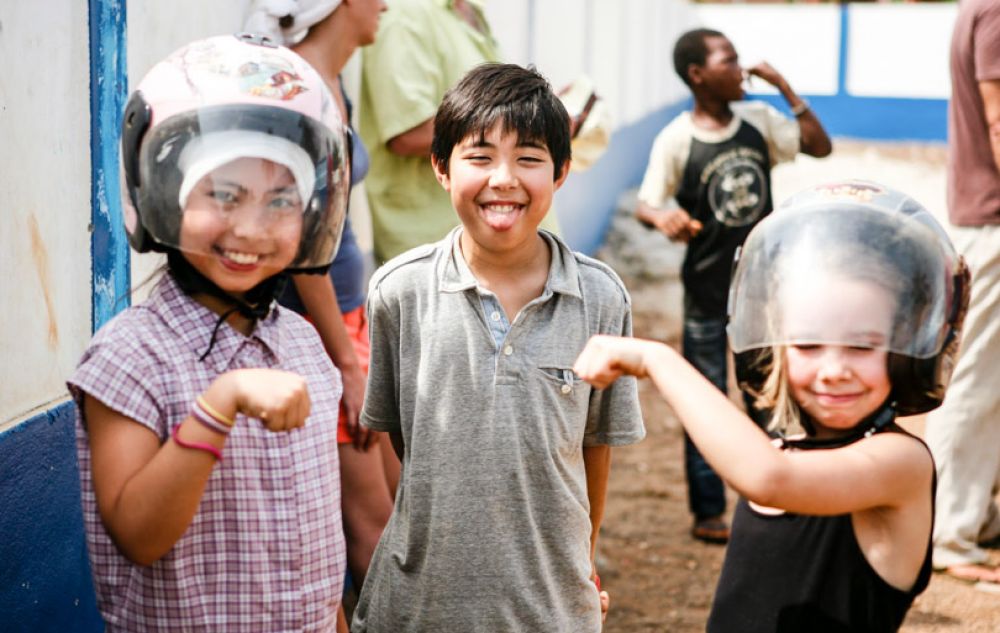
206	418
845	310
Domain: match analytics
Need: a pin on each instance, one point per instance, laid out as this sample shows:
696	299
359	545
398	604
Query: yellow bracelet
209	409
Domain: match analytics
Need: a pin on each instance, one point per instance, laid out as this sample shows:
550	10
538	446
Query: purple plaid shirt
265	551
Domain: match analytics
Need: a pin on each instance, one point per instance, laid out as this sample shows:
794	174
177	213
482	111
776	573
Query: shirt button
495	316
508	350
566	389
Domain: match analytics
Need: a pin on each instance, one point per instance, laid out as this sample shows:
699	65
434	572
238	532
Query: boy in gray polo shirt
505	451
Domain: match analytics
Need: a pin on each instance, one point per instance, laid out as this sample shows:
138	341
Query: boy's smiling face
501	187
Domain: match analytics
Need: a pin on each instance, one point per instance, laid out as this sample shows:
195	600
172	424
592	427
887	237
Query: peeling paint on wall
108	91
41	258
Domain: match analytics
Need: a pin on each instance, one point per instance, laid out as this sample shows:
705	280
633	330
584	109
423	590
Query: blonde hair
774	394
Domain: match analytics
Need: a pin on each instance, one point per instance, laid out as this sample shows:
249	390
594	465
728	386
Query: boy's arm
814	139
597	464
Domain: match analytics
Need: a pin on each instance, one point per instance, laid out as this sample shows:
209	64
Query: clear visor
846	275
252	186
247	211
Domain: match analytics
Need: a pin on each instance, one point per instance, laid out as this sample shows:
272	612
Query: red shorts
356	323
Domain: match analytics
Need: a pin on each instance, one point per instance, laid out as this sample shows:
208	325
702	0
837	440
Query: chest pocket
567	397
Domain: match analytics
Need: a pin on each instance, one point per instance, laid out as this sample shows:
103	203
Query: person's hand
279	399
605	358
766	72
605	599
353	379
677	225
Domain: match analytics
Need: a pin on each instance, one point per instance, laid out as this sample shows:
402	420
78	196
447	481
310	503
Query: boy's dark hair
519	99
691	49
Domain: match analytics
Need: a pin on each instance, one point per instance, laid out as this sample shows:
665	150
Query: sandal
710	530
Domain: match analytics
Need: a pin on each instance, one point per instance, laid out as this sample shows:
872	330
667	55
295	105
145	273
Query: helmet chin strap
255	303
876	422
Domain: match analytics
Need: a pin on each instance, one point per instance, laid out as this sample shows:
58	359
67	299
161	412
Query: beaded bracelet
206	419
212	411
198	446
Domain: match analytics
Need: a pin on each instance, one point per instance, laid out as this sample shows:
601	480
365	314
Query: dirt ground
660	579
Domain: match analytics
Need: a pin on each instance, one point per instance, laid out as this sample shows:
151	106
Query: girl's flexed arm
147	493
885	470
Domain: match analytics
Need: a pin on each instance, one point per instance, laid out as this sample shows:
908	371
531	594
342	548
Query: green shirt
423	48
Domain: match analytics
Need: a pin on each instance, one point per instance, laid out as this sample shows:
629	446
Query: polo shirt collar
454	274
194	324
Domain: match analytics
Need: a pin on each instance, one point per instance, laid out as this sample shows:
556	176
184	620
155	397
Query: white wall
45	199
801	41
625	47
892	50
901	52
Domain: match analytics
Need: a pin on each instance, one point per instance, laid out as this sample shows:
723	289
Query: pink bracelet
198	446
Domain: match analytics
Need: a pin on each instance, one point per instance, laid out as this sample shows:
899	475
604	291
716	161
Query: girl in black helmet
845	310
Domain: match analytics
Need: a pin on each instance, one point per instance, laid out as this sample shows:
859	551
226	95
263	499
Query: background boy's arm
814	140
676	224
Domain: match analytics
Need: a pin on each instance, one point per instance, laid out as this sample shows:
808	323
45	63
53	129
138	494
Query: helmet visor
851	275
248	183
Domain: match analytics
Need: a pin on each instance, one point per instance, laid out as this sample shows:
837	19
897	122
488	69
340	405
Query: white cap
264	18
209	152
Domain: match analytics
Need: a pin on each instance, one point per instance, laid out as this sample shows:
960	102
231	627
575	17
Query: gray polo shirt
491	528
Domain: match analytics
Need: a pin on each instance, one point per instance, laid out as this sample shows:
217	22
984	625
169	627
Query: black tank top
805	574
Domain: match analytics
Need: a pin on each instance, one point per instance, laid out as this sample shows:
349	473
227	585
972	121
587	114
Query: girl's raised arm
886	470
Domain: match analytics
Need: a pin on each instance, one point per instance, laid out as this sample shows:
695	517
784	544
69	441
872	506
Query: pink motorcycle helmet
221	99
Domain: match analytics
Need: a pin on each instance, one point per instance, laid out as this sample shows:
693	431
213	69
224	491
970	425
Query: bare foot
974	573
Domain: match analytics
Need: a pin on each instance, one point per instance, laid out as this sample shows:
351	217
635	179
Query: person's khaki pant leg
964	433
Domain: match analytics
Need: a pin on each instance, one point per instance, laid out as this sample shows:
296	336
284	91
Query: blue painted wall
587	200
45	582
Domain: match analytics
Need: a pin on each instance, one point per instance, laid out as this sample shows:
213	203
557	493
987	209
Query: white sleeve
783	135
666	164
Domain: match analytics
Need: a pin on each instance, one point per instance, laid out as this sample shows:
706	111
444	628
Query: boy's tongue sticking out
501	215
